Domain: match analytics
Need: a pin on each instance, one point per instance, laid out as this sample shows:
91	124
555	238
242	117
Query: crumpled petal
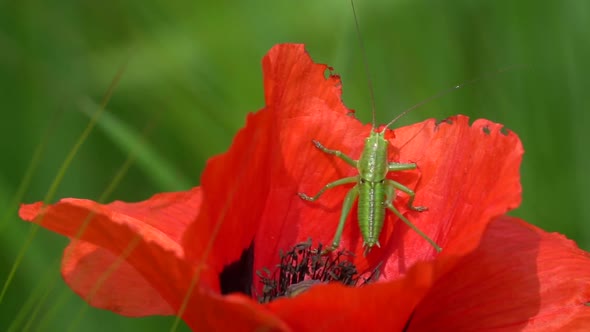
127	258
107	281
377	307
520	278
241	187
469	174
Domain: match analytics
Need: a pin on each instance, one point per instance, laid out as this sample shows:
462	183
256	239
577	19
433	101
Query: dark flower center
237	276
302	267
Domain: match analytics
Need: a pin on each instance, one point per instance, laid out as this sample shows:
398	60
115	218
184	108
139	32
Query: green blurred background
194	72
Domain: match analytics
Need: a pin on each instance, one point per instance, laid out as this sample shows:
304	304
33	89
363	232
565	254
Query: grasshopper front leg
337	153
341	155
351	196
351	179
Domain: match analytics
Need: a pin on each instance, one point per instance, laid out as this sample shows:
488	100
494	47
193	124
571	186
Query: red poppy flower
182	253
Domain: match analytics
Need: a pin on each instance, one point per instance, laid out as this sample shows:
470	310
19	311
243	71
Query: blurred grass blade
163	173
59	177
28	175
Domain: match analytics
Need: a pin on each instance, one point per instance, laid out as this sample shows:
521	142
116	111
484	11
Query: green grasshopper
375	192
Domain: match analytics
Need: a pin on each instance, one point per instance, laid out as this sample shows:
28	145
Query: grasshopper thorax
373	164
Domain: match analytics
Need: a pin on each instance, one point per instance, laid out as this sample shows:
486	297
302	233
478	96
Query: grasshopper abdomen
371	211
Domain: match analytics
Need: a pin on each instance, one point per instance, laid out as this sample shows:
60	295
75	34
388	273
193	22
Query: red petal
234	312
307	106
377	307
469	175
145	233
234	195
125	291
519	278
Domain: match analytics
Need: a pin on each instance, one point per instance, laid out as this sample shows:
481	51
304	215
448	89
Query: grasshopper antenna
365	63
449	90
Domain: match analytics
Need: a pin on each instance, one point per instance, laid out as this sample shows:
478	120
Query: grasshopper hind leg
351	196
410	193
351	179
391	186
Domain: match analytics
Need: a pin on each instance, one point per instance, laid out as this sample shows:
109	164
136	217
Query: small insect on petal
374	191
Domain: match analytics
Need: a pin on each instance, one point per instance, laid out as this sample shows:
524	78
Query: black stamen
303	267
